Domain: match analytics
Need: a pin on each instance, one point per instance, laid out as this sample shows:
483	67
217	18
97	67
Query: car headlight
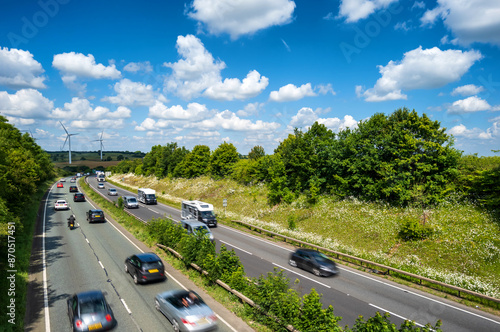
325	268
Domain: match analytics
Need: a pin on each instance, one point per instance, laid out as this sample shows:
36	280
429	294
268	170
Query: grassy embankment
464	250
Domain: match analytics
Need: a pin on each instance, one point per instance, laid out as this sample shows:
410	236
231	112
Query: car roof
148	257
61	201
96	210
78	194
111	189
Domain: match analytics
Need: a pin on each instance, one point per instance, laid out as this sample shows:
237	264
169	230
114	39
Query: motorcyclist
71	221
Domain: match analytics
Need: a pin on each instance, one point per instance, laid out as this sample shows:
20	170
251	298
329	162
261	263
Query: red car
60	185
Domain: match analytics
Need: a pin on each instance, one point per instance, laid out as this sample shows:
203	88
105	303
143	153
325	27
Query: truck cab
200	211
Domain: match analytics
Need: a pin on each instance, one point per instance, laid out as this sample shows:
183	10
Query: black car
145	267
73	189
313	261
79	197
89	311
95	216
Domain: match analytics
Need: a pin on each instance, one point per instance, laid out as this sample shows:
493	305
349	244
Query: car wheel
157	305
175	325
317	272
126	268
292	263
136	281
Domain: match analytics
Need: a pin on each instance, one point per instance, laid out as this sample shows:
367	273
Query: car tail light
79	323
213	317
186	322
108	318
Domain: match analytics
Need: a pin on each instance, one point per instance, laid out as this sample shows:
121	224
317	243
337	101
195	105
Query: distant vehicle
60	185
79	197
78	175
196	227
145	267
100	185
73	189
63	180
61	204
186	311
101	177
146	196
89	311
72	180
200	211
95	216
112	192
130	202
313	261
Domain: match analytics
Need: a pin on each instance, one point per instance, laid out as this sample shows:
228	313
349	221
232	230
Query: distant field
92	159
89	163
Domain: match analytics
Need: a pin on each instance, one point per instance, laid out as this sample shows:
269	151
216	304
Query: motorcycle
71	223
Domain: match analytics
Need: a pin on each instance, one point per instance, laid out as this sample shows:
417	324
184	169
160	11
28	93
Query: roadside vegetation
25	174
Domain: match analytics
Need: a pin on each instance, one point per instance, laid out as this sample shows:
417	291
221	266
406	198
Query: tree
194	164
222	160
119	157
256	152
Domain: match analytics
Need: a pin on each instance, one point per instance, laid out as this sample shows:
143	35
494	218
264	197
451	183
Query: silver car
186	311
112	192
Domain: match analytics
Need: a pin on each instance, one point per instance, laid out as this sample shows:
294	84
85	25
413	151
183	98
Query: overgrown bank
463	249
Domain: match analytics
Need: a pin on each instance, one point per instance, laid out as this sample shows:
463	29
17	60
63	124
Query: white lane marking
255	237
422	296
44	264
229	244
157	212
87	240
393	314
219	317
126	306
303	276
102	266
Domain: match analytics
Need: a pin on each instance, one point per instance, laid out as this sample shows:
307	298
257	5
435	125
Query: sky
247	72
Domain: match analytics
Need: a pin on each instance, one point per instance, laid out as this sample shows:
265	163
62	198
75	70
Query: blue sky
245	71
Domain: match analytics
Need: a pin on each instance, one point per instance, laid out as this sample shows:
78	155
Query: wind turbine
100	140
68	138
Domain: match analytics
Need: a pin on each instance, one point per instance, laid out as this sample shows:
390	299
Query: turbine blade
64	128
102	134
65	142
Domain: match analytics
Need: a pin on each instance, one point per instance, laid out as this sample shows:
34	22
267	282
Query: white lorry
101	177
200	211
146	196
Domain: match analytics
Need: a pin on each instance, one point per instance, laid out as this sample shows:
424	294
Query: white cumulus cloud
18	69
469	20
233	88
420	69
241	17
230	121
74	65
132	93
134	67
355	10
467	90
475	133
193	112
290	92
469	105
306	117
82	113
25	103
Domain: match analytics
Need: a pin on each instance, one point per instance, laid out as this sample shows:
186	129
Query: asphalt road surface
352	292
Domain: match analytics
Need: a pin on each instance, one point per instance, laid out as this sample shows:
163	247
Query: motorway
92	257
351	293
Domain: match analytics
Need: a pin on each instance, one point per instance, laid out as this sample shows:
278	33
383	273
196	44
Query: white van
200	211
146	196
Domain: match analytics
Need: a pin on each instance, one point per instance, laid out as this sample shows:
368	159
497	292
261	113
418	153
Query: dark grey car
145	267
89	311
313	261
186	311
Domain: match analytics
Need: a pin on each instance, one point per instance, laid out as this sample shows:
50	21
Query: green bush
412	229
292	222
120	202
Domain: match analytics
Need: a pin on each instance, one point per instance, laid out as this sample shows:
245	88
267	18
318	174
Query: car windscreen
89	306
132	200
150	196
201	229
207	214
